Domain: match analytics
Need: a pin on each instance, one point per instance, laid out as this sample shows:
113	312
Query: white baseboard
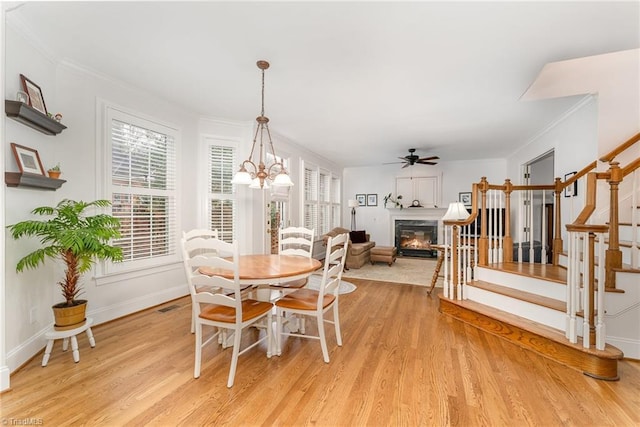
4	378
23	353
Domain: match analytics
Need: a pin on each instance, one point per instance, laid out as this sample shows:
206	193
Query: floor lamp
353	204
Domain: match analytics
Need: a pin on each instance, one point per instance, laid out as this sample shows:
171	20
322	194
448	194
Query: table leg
65	344
436	272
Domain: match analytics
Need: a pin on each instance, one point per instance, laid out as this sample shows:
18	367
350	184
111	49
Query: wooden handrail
631	167
474	210
590	201
620	148
534	187
579	174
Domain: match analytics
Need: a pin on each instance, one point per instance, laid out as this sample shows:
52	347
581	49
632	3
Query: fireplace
416	237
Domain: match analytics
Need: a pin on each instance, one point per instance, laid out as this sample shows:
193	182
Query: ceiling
356	82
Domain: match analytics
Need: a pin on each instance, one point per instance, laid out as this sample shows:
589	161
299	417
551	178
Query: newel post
557	232
483	242
507	243
613	256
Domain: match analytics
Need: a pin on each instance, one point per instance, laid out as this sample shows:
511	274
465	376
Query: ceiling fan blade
426	163
429	158
406	165
393	163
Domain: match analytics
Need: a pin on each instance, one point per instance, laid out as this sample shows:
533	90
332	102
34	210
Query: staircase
583	309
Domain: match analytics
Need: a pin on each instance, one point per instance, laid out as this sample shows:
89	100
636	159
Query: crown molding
557	121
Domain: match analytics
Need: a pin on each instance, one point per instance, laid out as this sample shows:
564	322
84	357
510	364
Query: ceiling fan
413	159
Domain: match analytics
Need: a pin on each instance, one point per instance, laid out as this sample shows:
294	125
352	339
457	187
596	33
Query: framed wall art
362	199
36	99
28	159
372	200
570	190
465	198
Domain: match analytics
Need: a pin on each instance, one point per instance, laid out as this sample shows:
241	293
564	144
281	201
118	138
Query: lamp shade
456	212
353	203
241	177
282	180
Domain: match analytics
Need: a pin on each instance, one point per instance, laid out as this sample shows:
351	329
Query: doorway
539	225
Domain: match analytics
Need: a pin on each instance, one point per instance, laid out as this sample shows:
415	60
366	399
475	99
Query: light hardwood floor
402	363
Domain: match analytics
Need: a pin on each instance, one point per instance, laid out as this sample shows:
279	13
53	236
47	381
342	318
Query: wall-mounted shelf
17	179
33	118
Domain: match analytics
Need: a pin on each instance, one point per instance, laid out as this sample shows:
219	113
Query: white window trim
104	112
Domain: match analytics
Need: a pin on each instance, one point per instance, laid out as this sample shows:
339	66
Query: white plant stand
53	335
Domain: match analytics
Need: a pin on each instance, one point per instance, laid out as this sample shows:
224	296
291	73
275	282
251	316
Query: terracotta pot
54	174
69	317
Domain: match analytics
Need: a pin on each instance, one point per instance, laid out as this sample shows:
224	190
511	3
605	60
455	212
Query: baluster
447	283
530	213
586	297
500	227
543	232
601	334
521	222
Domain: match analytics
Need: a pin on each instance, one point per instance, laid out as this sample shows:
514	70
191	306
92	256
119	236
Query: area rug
413	271
345	287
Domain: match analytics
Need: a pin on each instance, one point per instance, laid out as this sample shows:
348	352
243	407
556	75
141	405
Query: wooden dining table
268	269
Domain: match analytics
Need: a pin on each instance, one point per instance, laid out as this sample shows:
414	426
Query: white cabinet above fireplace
425	189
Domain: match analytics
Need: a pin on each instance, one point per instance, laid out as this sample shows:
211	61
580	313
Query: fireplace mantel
429	214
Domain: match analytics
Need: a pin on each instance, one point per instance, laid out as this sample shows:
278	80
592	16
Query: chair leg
336	323
278	331
323	339
193	321
234	356
269	335
196	369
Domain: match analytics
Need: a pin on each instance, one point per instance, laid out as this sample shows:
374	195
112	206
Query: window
222	198
321	199
142	188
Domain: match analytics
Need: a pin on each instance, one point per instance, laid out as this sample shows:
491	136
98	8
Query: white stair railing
585	285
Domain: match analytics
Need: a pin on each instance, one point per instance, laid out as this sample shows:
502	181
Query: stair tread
551	303
545	331
552	273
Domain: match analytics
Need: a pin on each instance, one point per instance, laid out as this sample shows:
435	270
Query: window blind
222	199
143	183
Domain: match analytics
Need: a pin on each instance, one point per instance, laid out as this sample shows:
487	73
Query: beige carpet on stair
414	271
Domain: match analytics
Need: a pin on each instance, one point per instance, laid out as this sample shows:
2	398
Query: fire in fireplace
416	237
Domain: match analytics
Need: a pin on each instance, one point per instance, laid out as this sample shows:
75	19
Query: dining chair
203	233
294	241
225	310
312	303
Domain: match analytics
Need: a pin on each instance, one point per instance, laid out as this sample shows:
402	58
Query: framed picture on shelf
570	190
36	99
465	198
372	200
28	159
362	199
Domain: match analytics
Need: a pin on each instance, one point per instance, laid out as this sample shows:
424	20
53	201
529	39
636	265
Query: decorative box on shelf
33	118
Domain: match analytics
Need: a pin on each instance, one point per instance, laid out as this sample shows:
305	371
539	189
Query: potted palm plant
75	238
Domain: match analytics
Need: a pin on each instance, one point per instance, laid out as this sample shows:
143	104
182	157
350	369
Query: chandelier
258	176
